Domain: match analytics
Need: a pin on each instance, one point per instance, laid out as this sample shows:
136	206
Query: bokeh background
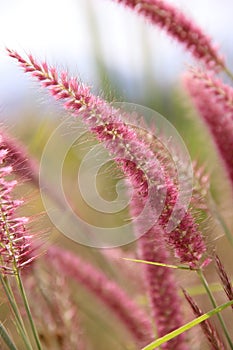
123	58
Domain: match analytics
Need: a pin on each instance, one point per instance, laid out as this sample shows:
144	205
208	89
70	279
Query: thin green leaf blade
6	338
180	267
186	327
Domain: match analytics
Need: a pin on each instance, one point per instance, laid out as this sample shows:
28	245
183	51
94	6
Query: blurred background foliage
124	59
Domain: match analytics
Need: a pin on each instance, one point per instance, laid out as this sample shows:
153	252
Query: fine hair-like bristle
208	329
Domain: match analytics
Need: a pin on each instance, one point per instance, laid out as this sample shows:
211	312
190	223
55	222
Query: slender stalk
16	312
213	301
28	311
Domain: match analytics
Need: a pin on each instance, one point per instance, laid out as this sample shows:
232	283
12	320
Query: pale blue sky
65	32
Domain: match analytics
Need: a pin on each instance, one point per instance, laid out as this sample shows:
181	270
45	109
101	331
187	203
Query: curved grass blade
187	326
180	267
6	338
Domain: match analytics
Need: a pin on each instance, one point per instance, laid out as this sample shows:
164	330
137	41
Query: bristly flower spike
136	160
15	241
180	27
226	283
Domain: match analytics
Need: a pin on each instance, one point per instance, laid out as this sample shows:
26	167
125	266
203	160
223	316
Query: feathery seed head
131	153
15	241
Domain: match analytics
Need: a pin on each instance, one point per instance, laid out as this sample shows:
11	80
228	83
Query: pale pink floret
24	165
180	27
15	241
135	158
214	102
104	289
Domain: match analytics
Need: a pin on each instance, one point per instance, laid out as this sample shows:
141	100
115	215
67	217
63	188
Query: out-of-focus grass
34	129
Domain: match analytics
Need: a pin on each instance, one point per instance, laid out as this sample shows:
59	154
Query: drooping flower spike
214	102
180	27
136	160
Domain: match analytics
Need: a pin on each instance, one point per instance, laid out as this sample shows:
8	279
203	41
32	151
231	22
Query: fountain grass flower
15	240
134	157
180	27
107	291
214	102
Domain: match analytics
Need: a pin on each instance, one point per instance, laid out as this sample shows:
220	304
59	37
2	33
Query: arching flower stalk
214	102
180	27
136	160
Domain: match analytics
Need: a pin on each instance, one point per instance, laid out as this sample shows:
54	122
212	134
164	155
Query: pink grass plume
214	102
180	27
16	242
